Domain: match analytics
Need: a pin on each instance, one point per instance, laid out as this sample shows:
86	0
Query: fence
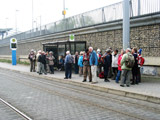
98	16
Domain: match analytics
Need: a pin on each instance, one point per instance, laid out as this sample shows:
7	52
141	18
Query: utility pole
32	15
126	24
16	20
64	10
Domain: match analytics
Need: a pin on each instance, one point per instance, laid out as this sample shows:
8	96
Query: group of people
110	65
94	64
45	62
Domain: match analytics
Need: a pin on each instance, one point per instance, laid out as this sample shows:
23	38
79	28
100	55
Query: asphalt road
43	99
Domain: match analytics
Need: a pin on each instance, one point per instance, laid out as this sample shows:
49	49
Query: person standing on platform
42	60
51	62
99	67
68	65
86	67
93	63
32	58
127	63
80	64
135	67
76	67
38	63
119	66
115	64
107	64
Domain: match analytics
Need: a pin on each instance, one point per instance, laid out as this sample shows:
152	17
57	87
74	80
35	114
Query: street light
32	15
6	22
16	19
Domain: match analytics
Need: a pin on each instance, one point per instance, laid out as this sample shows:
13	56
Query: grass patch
18	62
5	61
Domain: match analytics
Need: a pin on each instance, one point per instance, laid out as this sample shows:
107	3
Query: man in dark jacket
42	60
107	64
135	67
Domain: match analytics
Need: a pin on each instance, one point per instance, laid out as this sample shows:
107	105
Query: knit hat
140	51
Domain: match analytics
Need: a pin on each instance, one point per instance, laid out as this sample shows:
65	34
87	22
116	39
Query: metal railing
98	16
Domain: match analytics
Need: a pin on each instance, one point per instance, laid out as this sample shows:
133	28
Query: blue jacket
93	58
80	61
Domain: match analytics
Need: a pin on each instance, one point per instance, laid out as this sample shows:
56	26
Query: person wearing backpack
127	63
135	67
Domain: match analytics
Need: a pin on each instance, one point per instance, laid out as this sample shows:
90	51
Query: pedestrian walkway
145	90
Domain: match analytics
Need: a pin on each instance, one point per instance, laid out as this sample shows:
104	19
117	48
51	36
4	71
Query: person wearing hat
99	67
80	63
51	62
126	71
140	64
32	58
107	65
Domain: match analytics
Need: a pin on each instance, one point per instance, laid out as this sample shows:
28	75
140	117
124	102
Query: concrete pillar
139	7
126	24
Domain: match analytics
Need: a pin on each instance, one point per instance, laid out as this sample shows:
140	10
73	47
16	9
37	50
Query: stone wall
145	37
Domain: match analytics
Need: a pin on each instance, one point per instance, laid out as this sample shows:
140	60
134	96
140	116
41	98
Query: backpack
101	75
130	61
142	61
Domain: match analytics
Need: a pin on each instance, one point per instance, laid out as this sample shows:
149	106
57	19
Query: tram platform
148	90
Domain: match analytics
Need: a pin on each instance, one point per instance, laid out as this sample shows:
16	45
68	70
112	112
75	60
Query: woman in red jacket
119	66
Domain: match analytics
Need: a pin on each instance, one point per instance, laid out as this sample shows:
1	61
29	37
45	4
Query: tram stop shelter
59	48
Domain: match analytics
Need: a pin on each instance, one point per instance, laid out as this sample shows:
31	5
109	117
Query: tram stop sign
71	37
13	47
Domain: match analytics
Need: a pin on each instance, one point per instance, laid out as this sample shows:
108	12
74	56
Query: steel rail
15	109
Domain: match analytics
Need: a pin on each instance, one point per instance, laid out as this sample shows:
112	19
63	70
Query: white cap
98	50
129	49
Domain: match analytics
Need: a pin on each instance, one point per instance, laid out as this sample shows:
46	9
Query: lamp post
32	14
6	22
16	19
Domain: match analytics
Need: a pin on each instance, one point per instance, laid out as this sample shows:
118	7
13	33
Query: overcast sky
49	10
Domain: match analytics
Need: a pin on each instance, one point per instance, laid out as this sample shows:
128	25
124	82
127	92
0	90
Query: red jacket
119	62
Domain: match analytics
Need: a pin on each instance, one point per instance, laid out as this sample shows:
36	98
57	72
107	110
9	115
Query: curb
99	88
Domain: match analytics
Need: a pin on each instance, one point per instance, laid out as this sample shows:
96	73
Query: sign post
13	47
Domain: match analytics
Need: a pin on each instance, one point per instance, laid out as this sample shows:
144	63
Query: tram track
92	93
82	101
7	106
